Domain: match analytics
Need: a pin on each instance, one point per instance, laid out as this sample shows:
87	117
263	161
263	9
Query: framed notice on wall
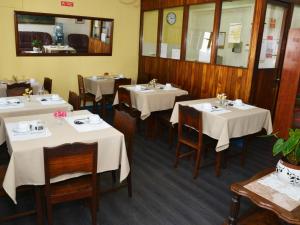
234	35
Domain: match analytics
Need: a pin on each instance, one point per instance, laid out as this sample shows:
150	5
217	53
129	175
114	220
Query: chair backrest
80	42
120	82
81	85
124	97
190	117
70	158
74	100
143	78
126	124
182	98
17	89
48	84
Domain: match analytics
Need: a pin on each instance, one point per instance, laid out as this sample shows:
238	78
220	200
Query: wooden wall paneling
192	2
171	3
185	24
289	85
215	34
149	4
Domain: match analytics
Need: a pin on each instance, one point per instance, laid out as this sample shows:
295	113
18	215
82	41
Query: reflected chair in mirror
21	189
70	159
17	89
126	124
163	118
74	100
85	96
48	85
190	134
80	42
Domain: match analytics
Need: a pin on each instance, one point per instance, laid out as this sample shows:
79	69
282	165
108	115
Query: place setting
8	103
51	100
27	130
87	122
209	108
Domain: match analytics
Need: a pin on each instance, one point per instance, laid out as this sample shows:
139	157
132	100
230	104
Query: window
171	33
150	33
296	17
201	22
271	37
235	33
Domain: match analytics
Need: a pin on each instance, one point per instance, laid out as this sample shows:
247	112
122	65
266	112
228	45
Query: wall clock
171	18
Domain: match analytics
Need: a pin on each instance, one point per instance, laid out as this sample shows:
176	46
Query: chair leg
244	151
94	200
197	164
171	136
177	155
49	213
218	164
39	205
129	185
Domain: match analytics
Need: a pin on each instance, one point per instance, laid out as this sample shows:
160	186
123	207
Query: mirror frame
18	53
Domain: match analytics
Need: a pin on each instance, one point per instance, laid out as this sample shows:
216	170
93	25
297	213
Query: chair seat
69	189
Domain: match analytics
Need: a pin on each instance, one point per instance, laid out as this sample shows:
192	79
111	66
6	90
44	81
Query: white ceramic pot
288	173
35	49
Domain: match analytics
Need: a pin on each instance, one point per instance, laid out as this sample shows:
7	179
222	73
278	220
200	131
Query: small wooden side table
270	211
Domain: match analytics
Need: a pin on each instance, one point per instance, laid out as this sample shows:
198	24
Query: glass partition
296	17
235	33
200	27
150	27
40	34
171	33
271	37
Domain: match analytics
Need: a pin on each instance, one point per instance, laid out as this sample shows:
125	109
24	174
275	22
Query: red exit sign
67	3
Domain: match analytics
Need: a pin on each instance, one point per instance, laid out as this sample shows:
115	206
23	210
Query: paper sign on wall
163	50
234	34
175	53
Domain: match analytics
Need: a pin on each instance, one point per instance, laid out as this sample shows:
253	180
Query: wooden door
270	56
289	85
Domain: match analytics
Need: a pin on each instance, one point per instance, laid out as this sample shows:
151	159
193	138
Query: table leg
234	209
218	163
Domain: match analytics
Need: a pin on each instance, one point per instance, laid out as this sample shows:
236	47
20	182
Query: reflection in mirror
296	17
201	21
235	33
47	34
171	33
150	26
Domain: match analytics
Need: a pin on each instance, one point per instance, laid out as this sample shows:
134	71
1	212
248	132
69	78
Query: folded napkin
10	103
83	124
50	101
15	135
170	88
275	183
244	106
202	107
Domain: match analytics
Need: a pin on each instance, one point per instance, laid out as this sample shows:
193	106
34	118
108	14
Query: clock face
171	18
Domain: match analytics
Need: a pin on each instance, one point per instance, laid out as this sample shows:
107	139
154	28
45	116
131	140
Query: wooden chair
38	210
163	117
74	100
84	96
66	159
192	118
17	89
48	84
124	100
110	98
143	78
128	128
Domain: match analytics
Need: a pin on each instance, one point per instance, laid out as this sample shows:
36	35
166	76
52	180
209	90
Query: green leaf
278	146
290	144
298	152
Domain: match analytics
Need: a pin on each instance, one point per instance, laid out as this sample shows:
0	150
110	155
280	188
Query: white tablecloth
155	99
237	123
26	166
30	108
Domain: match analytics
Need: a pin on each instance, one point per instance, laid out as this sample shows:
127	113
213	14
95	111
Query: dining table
22	105
26	165
36	87
149	99
100	85
223	122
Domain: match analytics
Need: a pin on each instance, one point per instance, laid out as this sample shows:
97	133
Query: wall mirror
41	34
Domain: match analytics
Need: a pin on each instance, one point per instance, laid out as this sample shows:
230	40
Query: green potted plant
36	45
288	168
